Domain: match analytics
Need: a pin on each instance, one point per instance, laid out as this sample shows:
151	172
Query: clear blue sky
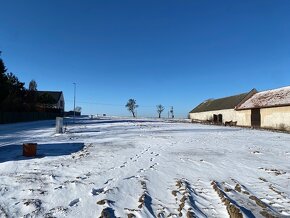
166	52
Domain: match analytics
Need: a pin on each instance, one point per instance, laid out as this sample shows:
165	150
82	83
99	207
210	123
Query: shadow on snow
14	152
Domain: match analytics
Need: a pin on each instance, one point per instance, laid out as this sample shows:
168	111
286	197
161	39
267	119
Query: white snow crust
142	168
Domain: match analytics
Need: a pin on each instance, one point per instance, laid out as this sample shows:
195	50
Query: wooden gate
256	117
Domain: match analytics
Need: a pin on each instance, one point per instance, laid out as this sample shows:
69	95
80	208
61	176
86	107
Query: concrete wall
276	118
243	118
273	118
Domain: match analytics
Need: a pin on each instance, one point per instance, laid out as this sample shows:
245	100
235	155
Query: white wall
243	118
276	117
273	118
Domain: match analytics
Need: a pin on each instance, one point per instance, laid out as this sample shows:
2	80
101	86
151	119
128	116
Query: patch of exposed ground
186	198
233	209
239	200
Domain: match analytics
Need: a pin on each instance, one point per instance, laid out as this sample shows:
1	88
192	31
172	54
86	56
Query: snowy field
143	168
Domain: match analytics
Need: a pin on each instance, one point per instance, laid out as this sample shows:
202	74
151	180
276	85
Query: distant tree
12	91
15	98
14	84
131	106
32	85
160	109
78	109
2	71
31	95
3	82
31	100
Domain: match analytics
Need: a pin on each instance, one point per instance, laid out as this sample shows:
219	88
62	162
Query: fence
13	117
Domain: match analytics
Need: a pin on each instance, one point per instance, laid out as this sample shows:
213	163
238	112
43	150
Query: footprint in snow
152	166
97	191
59	187
109	180
130	177
74	202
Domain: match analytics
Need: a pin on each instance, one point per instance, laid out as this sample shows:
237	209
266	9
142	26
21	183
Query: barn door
215	118
220	118
255	117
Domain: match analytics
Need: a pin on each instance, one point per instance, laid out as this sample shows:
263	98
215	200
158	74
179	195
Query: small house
51	100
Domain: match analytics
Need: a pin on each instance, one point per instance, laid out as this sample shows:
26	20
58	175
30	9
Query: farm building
50	100
223	109
267	109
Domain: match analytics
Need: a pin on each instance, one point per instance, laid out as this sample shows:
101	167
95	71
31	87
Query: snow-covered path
143	168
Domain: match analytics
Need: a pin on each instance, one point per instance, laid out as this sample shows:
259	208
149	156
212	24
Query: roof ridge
229	102
270	98
273	90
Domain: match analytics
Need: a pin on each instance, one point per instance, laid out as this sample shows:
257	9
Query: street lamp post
74	101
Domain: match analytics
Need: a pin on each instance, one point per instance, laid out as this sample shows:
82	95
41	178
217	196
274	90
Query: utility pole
74	101
172	113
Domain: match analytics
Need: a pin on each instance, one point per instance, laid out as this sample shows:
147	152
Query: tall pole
74	101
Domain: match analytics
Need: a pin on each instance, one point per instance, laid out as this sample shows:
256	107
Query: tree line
132	106
14	97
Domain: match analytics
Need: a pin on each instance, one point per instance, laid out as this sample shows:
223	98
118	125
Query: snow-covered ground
143	168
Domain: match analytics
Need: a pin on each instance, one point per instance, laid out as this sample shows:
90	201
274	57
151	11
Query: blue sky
175	53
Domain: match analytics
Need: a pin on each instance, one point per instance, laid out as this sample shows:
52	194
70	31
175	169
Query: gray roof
55	95
230	102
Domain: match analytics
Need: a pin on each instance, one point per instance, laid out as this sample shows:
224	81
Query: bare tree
160	109
131	106
32	85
